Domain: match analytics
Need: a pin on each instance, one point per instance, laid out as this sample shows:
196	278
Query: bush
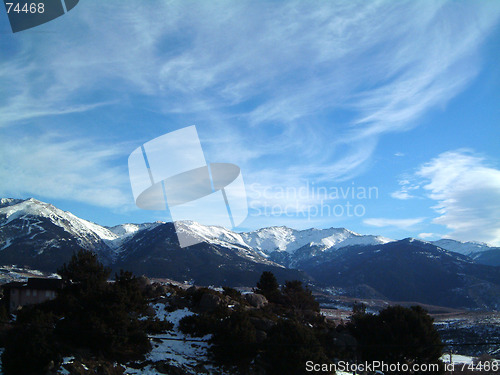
289	346
397	334
299	297
232	293
30	345
156	325
89	316
234	341
198	325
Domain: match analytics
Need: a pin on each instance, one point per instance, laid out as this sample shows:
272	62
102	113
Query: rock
256	300
209	302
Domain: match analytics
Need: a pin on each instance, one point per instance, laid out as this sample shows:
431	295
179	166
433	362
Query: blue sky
306	97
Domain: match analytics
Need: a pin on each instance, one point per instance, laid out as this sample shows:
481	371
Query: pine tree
298	297
268	286
397	334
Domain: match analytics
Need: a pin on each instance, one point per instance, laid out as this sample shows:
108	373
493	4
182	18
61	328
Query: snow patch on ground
457	359
177	351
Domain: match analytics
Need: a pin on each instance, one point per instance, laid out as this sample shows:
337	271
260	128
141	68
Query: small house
33	291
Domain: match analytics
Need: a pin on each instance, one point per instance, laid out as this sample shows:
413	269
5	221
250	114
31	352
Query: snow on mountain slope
27	214
123	230
465	248
267	240
126	231
5	202
264	241
289	240
212	234
221	236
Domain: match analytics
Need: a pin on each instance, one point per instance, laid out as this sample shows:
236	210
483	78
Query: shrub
289	345
299	297
198	325
30	345
397	334
232	293
234	341
89	316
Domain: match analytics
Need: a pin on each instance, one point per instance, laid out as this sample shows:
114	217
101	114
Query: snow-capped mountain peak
465	248
33	208
211	233
264	241
271	239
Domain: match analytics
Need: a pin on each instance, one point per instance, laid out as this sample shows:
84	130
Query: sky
378	116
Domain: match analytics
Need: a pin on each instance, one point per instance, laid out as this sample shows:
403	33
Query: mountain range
445	272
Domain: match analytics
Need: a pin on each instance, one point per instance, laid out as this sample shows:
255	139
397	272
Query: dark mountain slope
410	270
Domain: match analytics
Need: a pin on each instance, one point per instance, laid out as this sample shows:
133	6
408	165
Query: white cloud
78	170
427	235
398	223
405	190
467	191
400	194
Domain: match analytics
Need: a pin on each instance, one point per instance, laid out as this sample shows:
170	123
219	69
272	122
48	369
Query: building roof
14	284
43	283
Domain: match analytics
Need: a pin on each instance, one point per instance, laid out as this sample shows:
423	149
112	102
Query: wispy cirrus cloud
53	167
319	81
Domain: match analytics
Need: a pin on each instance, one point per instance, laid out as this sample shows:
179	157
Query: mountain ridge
41	236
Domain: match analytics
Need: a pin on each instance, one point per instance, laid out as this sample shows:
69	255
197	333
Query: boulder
209	302
256	300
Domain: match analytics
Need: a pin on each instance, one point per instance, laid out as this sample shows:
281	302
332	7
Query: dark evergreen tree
397	334
30	346
298	297
235	342
268	286
358	308
90	316
289	346
85	270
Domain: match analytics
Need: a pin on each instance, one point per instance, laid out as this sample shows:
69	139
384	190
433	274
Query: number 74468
26	8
